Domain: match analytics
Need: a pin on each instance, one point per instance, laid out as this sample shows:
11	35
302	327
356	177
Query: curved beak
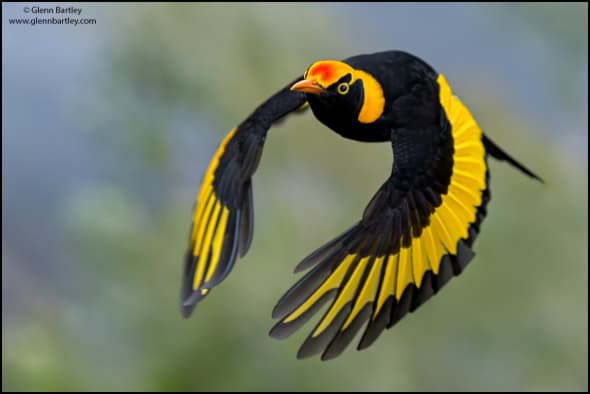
308	86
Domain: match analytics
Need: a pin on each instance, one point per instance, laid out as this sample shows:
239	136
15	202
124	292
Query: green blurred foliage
516	319
564	27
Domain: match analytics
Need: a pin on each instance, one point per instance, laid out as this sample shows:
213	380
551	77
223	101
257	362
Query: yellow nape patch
374	99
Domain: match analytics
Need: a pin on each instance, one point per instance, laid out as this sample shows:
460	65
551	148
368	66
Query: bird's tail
497	153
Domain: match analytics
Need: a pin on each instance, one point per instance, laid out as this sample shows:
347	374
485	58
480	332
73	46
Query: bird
416	233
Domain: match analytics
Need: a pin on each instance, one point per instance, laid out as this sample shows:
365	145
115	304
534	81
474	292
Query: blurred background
108	128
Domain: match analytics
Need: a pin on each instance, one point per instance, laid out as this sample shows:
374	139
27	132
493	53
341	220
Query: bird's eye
343	88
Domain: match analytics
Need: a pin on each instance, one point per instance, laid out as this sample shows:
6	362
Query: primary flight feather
416	233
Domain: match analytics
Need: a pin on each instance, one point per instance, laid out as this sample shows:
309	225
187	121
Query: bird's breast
348	127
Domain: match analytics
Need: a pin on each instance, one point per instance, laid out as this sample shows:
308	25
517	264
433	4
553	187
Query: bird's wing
222	221
415	234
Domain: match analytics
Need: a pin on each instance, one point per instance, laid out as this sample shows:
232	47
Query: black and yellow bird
417	231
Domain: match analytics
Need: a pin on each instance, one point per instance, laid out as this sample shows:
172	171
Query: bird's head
339	93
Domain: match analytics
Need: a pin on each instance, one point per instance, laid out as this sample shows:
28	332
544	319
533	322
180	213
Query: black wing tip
278	312
284	306
367	340
324	252
187	305
319	344
463	257
187	310
303	354
275	314
303	265
327	355
186	292
279	331
422	293
309	261
377	325
309	348
345	336
188	302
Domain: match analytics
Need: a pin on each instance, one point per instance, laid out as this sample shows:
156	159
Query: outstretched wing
223	219
415	234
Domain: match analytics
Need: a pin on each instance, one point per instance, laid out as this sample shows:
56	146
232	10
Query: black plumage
416	233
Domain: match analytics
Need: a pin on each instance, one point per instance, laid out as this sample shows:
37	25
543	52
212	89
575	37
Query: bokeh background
107	130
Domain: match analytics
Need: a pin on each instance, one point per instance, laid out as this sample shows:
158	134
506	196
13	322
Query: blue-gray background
107	130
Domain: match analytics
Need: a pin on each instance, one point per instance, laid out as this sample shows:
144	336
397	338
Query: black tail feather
499	154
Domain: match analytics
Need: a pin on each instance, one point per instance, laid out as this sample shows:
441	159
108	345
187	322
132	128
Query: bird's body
416	233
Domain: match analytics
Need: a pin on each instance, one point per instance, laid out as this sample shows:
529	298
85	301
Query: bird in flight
416	233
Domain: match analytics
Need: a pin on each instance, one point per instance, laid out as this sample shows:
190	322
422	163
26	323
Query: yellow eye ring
343	88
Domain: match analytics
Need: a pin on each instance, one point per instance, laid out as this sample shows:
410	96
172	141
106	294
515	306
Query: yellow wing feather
209	222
